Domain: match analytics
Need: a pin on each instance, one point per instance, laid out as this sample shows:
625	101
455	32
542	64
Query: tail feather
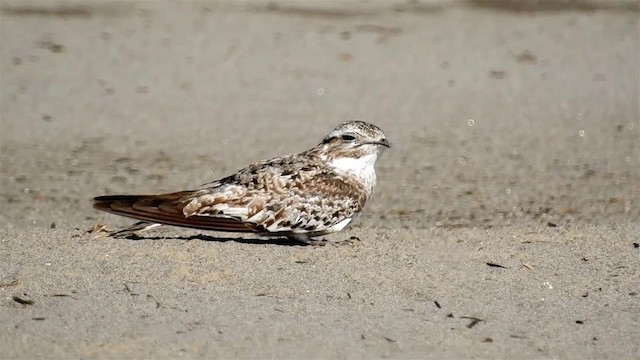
165	209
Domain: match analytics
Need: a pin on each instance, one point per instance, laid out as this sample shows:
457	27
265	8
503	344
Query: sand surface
505	224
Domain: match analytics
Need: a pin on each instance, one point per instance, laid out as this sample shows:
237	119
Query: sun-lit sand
505	223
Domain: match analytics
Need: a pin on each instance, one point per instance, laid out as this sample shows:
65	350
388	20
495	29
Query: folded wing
166	209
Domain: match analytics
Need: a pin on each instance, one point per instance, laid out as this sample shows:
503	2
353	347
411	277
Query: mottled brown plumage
300	196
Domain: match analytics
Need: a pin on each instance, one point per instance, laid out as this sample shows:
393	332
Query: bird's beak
384	142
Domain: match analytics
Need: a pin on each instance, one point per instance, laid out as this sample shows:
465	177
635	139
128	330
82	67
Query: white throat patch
356	166
362	168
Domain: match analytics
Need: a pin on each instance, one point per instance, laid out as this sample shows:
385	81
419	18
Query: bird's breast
362	169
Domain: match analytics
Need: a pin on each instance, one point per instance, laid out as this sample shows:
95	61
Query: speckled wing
293	194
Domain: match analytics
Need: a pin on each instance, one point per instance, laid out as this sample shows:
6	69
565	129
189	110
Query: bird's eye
347	137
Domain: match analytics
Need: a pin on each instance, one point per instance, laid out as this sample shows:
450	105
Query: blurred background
499	111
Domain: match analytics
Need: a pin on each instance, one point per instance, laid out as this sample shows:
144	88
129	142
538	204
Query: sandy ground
506	221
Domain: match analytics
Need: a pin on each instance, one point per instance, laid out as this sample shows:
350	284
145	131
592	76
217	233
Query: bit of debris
128	289
389	339
97	228
487	340
497	74
474	321
496	265
526	57
527	266
551	224
636	245
350	241
579	322
37	318
450	315
154	300
52	46
22	301
53	225
437	304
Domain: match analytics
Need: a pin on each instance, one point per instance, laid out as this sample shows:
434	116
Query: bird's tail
165	209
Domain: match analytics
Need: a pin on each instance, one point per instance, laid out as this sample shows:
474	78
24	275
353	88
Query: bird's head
352	141
357	137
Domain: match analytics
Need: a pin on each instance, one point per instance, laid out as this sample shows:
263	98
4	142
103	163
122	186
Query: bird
299	196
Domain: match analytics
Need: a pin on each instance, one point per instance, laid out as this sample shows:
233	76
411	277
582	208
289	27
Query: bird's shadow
280	241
